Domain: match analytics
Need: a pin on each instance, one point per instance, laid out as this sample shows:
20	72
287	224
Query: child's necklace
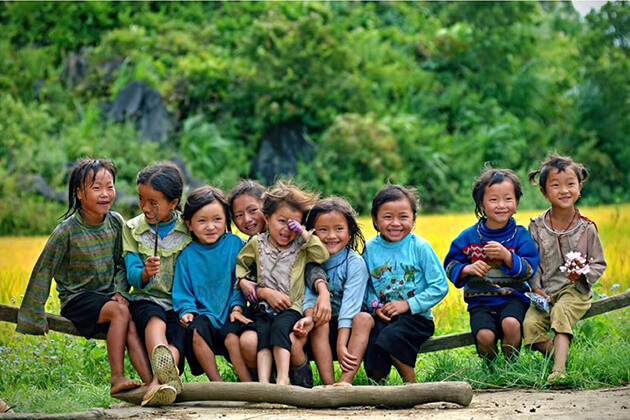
560	232
483	241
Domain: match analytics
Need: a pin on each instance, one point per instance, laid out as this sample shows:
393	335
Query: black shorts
176	334
401	338
236	327
84	310
274	330
211	335
490	317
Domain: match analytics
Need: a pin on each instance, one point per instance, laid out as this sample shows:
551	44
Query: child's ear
79	193
188	224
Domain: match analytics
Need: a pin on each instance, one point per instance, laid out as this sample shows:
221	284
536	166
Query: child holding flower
571	261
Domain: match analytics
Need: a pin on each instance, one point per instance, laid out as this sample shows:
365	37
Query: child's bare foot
121	382
342	383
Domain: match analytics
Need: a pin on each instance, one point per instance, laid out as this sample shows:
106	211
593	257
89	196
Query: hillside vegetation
418	93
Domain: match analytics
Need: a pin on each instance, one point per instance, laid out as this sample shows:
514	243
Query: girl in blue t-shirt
345	337
406	281
203	288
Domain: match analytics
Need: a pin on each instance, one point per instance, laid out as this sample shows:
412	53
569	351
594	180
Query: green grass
61	373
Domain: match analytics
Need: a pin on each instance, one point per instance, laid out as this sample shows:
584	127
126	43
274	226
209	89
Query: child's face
247	214
395	219
150	199
96	198
562	189
499	203
332	229
208	223
279	233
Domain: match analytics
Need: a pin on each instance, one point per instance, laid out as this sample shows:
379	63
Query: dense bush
417	93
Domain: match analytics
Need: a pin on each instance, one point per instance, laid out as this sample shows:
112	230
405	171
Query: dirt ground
605	403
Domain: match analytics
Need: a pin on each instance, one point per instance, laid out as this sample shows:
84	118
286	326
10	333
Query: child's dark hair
245	186
164	177
393	192
488	178
202	196
327	205
554	161
78	178
285	193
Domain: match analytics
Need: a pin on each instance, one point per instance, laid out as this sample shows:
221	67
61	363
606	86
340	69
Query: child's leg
408	373
561	344
282	357
511	341
233	346
205	357
362	324
322	353
249	342
155	334
118	317
264	361
138	354
486	343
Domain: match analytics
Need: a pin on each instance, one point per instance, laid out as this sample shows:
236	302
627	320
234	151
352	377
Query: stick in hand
157	222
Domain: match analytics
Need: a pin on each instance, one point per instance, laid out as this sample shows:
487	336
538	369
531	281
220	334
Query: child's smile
279	233
332	229
395	219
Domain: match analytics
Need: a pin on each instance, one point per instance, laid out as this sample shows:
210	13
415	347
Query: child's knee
510	326
232	340
485	337
363	321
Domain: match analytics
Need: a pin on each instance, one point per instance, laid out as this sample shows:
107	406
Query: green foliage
449	87
356	156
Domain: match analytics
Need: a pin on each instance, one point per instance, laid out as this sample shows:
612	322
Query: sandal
159	395
164	367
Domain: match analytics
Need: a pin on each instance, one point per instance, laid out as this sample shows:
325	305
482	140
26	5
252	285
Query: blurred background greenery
347	95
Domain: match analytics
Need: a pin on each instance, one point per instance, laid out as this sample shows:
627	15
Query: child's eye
238	215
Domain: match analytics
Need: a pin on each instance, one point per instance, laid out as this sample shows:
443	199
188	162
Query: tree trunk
404	396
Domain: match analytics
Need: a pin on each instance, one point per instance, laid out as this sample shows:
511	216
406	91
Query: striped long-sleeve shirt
80	257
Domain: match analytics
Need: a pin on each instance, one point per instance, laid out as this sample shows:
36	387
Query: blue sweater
205	278
348	278
500	283
407	270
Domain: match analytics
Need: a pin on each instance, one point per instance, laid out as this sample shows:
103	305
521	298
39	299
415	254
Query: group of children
173	284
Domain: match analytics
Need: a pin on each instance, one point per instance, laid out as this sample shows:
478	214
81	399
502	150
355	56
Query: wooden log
58	323
404	396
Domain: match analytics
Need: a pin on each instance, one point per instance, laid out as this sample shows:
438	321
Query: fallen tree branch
405	396
443	342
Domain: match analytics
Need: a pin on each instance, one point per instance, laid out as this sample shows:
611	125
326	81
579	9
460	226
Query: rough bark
319	397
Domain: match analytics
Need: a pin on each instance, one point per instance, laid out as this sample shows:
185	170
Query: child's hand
250	290
347	361
496	251
322	311
380	314
186	319
278	300
152	266
542	293
120	299
295	226
478	268
396	307
573	277
240	317
303	326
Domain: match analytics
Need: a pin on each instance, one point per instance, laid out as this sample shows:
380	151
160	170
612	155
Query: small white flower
615	286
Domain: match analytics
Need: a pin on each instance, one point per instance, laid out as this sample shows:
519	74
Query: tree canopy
423	94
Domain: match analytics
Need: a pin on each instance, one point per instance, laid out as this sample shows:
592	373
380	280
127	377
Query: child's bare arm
322	310
303	326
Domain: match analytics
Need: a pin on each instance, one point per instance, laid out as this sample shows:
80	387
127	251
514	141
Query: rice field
19	254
